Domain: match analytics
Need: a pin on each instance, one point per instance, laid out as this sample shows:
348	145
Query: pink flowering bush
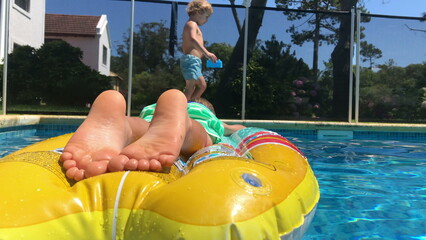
304	98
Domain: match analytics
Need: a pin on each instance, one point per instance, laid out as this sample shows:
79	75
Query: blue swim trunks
199	113
191	66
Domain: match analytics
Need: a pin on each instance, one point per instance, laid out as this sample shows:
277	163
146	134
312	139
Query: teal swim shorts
199	113
191	66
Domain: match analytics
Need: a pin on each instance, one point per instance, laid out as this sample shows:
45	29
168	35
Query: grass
83	111
52	110
44	109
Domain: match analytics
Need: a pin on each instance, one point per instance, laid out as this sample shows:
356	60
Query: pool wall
309	128
339	130
23	120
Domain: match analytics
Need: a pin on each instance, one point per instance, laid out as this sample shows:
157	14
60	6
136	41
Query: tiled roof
71	25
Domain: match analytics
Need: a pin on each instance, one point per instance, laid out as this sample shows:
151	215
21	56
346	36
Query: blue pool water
372	187
15	138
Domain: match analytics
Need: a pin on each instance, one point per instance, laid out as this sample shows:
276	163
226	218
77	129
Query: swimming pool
15	138
372	187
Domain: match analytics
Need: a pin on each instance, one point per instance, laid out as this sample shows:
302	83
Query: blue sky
412	8
221	27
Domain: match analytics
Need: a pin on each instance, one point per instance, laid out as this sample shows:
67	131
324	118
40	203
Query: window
24	4
104	55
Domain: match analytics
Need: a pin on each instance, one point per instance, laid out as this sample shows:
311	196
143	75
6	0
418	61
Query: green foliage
279	86
325	94
150	42
369	53
23	83
213	75
148	86
270	75
61	64
154	70
328	23
393	93
57	109
52	75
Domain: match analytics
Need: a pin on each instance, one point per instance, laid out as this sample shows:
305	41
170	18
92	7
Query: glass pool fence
328	64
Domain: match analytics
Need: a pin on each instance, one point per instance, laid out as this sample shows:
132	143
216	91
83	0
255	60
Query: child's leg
201	87
189	89
171	132
104	133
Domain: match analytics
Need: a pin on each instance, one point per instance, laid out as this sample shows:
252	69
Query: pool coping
22	120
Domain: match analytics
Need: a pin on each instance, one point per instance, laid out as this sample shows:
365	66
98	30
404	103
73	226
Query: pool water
371	188
15	138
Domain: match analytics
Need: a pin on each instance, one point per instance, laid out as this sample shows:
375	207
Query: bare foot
100	137
101	143
162	143
157	148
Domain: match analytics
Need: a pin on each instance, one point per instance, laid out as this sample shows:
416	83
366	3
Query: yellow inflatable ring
256	185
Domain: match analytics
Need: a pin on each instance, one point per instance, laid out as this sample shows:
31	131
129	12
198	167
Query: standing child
193	48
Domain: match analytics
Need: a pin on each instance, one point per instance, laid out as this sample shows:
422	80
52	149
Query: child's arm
230	129
196	41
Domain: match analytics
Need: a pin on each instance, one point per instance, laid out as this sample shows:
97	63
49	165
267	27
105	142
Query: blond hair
204	102
199	7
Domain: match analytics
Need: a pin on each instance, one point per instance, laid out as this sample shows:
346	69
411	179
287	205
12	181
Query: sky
413	8
222	24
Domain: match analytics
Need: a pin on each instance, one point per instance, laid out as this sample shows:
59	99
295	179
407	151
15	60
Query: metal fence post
358	50
351	71
130	75
6	12
247	4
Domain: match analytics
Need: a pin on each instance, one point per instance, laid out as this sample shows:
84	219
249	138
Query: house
26	24
89	33
30	25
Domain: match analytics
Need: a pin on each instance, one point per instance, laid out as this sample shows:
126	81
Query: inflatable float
254	185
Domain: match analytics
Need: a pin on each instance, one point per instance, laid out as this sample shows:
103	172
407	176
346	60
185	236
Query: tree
150	45
369	53
269	84
224	96
63	74
212	75
154	69
337	26
54	74
325	25
393	93
319	21
148	86
418	30
341	61
236	18
268	77
23	83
